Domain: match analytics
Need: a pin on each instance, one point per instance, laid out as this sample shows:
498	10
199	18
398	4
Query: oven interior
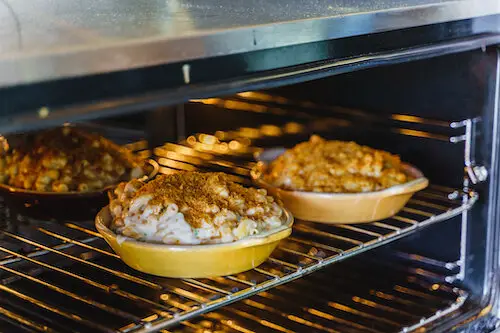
428	267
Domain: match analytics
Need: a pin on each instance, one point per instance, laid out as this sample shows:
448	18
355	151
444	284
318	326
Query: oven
205	86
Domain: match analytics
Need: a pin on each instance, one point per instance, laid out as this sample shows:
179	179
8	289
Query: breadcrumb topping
319	165
201	195
66	159
192	208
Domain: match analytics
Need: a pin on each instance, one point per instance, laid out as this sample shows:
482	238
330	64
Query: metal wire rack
47	265
377	292
60	277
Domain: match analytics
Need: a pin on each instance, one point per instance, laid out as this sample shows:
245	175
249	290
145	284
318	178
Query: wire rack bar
344	299
314	117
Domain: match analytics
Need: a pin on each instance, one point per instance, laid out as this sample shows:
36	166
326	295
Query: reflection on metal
343	299
72	39
439	314
476	173
340	117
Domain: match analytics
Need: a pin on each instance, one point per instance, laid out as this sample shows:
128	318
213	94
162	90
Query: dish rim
420	182
17	190
249	241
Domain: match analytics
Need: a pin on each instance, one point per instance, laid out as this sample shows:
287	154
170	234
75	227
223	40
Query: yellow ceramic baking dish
194	261
341	208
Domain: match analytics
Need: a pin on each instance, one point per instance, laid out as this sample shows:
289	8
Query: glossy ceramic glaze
341	208
193	261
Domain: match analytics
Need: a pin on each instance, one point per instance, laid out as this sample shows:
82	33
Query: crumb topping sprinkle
319	165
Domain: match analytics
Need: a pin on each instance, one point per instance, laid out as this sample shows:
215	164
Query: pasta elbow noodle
83	187
67	156
188	208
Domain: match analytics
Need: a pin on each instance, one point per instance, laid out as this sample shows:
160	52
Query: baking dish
194	261
340	208
78	206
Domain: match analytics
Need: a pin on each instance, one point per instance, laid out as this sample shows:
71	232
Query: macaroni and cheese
66	159
319	165
191	208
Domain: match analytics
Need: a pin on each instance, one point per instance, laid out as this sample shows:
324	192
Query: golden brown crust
319	165
64	160
200	196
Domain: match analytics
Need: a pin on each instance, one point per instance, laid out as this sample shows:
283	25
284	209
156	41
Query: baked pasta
191	208
66	159
319	165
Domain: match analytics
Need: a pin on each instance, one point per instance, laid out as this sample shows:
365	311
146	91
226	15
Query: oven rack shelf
410	291
314	117
66	272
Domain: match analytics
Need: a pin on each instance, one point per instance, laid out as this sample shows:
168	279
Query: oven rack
409	291
60	276
54	273
312	117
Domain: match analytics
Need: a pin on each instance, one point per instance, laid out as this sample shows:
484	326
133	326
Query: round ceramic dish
60	205
341	208
193	261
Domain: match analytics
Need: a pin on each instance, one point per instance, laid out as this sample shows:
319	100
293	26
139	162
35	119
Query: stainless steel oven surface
207	86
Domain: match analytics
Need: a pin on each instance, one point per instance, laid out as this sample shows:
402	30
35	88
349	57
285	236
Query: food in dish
319	202
325	166
193	261
66	159
191	208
